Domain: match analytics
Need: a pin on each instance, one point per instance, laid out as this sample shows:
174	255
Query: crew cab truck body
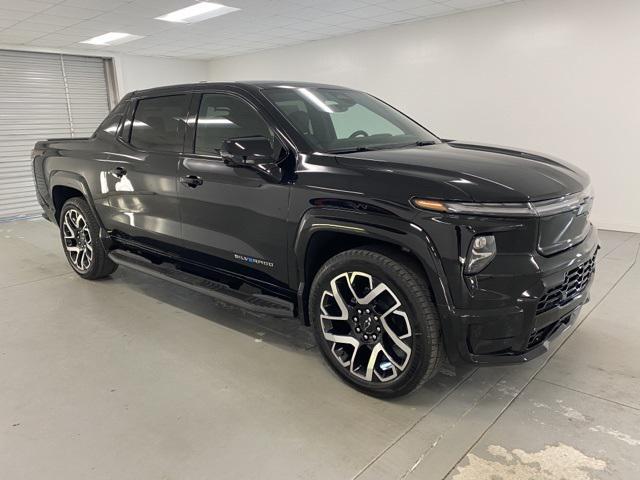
286	198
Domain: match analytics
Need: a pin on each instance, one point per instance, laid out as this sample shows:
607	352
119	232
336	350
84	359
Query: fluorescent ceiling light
112	38
198	12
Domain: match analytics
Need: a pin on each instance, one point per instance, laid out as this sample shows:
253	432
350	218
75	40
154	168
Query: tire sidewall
414	372
94	230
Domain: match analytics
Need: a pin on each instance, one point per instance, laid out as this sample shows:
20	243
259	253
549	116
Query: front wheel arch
320	236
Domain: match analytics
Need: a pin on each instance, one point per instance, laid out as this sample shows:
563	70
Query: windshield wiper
419	143
353	150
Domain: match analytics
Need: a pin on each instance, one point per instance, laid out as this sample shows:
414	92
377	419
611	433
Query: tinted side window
158	123
110	124
221	117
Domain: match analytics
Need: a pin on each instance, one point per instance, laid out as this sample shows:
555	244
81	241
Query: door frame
188	147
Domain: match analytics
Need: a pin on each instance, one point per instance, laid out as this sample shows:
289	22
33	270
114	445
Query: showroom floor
134	378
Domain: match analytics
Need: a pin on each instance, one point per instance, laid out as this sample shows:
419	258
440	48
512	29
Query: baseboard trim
618	227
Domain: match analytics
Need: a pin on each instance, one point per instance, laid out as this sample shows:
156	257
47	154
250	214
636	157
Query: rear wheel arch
65	185
60	194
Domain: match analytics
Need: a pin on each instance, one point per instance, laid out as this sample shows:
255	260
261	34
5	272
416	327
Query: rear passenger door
139	199
232	217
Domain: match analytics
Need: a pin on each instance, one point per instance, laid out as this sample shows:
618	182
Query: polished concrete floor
134	378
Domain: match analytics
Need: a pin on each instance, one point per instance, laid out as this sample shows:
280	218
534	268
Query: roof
249	85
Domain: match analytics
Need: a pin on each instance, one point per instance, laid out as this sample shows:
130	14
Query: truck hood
474	172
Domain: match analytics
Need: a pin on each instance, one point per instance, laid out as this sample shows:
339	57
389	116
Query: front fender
375	227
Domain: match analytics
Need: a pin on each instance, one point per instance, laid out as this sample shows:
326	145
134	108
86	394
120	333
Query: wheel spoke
351	278
397	339
77	239
369	334
371	364
335	293
67	229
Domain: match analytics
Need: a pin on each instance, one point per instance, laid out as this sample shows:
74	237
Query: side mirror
247	151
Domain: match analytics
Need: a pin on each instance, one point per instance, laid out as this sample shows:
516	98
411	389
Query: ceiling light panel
198	12
112	38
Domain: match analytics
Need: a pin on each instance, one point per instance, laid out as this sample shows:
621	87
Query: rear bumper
548	301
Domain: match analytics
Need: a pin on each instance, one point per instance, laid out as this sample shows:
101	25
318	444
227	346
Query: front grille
575	281
539	336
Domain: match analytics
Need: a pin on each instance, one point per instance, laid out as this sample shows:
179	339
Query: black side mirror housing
249	151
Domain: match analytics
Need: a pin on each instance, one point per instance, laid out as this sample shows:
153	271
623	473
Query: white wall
136	72
555	76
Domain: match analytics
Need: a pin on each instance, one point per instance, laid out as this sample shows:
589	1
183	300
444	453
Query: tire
80	235
389	315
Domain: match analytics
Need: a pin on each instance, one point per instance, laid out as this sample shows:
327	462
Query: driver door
233	217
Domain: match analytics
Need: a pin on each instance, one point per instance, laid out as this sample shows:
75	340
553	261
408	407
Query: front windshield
338	120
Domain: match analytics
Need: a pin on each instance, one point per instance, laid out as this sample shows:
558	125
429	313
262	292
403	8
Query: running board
255	302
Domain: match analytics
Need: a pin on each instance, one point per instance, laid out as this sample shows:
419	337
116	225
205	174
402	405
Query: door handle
191	181
118	172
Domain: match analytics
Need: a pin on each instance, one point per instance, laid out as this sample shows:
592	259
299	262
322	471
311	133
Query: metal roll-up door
42	96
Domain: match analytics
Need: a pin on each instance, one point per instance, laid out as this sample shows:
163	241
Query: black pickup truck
294	199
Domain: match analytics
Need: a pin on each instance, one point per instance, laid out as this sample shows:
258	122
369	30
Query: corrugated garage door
42	96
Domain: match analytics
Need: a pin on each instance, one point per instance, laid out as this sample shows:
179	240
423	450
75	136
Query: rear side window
221	117
158	123
110	124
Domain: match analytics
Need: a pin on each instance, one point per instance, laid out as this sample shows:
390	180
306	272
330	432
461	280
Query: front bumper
541	297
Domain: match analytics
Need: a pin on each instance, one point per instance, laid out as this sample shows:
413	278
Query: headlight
526	209
481	252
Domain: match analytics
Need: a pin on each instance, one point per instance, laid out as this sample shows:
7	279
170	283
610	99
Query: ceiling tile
73	12
54	40
396	17
433	10
308	13
154	8
14	14
89	28
37	27
334	30
370	11
7	22
309	25
260	24
341	6
409	4
363	24
103	5
26	5
471	4
55	20
18	36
